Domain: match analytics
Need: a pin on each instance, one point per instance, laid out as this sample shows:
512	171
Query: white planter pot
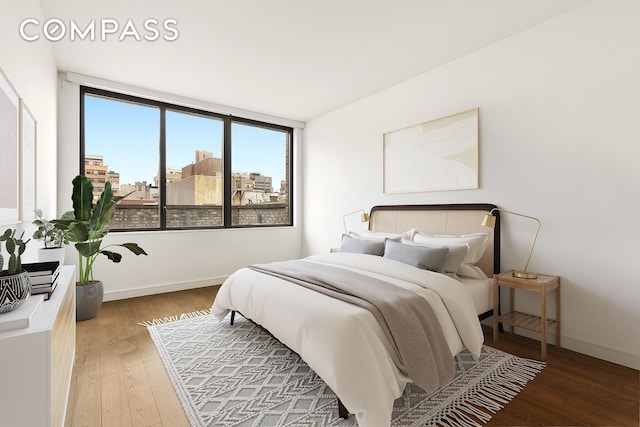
51	254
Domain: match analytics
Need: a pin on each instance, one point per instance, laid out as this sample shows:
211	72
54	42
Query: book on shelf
42	273
47	268
44	280
43	287
21	316
46	289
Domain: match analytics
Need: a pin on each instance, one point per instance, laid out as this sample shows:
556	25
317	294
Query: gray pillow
455	258
417	256
361	246
453	261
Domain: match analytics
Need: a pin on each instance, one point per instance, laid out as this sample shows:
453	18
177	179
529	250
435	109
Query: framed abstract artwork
9	153
437	155
28	146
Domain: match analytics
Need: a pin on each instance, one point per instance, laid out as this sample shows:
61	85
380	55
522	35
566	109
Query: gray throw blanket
415	339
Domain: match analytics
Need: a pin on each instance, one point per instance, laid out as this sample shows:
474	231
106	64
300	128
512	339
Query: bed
343	343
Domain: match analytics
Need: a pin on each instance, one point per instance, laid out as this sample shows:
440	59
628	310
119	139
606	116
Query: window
259	178
177	167
193	180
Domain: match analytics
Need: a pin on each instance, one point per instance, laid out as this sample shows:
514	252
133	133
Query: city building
114	179
139	193
205	165
171	175
96	171
261	182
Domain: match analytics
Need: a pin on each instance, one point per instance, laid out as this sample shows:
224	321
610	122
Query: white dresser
36	362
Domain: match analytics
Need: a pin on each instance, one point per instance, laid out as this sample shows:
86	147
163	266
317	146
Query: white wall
176	259
31	69
559	108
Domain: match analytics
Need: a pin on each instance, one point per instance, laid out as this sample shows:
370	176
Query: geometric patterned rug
240	375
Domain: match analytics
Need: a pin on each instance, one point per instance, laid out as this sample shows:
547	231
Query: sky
127	136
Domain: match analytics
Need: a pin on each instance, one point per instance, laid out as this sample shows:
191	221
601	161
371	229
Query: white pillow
472	271
378	235
454	259
477	242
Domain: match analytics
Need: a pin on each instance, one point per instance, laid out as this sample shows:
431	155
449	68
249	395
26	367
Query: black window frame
227	120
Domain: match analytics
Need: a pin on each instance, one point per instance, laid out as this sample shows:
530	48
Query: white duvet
343	343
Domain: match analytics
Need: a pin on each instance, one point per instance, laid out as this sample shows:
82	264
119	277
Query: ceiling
295	59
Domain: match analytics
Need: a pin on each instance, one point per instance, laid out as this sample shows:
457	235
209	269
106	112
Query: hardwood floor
119	379
572	390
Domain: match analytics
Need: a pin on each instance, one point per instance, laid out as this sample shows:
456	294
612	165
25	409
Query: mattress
481	291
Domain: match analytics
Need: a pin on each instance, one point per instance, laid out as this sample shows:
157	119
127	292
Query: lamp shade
489	221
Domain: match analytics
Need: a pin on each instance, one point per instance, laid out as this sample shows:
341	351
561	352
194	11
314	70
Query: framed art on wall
437	155
28	141
9	153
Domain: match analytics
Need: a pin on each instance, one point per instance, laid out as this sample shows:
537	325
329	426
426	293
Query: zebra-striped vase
14	290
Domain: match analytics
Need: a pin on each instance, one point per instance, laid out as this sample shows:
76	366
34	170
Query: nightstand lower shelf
525	321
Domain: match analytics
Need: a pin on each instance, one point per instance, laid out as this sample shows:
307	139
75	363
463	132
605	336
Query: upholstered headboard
453	219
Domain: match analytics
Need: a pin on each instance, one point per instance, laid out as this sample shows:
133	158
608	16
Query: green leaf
82	198
67	216
79	232
107	213
118	198
6	235
103	203
113	256
133	247
87	249
99	233
11	246
13	263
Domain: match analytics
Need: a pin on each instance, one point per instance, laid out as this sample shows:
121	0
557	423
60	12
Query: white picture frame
9	153
28	152
437	155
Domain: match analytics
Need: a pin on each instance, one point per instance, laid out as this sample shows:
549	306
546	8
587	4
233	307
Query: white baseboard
598	351
160	289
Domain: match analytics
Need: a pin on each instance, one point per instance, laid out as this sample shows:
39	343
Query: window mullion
162	184
226	172
82	132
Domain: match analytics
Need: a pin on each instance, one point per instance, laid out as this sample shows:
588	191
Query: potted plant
14	282
54	238
86	225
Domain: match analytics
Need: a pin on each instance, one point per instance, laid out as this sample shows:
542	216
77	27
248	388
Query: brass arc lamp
489	220
364	217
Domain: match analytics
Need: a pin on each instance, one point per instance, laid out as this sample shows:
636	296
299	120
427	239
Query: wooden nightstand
540	324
